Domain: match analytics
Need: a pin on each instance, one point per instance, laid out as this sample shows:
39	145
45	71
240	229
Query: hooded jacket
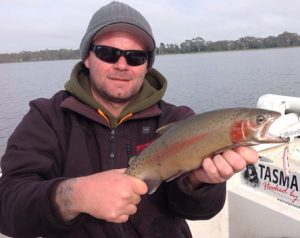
71	135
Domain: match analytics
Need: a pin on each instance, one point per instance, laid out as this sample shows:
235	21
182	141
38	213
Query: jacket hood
152	91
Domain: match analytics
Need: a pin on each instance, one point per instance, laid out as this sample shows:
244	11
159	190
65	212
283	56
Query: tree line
197	44
42	55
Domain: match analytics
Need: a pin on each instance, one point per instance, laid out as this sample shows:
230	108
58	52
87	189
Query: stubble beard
108	96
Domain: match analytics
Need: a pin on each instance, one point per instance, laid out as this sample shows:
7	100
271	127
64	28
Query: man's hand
109	195
223	166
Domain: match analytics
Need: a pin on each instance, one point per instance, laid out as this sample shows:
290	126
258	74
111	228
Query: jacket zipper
112	153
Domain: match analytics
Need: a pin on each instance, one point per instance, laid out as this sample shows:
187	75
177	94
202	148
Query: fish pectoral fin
165	128
174	177
152	185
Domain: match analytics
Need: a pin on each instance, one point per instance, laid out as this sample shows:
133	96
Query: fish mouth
269	135
270	138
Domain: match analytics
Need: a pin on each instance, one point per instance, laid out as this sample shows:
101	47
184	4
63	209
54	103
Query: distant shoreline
195	45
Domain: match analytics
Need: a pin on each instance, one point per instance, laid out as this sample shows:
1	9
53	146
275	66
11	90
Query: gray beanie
118	16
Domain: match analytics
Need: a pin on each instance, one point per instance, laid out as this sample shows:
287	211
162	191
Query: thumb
139	186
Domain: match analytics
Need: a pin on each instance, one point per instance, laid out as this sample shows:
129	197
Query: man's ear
87	61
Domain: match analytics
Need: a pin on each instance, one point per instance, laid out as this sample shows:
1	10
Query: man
63	170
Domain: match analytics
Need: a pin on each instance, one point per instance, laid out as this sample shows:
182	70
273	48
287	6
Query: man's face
115	82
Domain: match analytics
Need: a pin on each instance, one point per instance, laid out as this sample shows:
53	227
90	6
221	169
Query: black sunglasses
112	55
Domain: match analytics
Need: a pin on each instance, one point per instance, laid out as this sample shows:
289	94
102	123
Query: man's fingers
139	186
234	160
224	168
131	209
135	199
250	155
211	170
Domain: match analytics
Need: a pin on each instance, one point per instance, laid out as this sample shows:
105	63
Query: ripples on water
203	81
228	79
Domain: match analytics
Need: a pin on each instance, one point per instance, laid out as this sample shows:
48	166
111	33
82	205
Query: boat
264	199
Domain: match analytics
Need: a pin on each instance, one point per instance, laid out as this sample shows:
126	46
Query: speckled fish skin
187	143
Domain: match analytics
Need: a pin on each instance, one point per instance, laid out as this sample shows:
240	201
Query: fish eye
260	119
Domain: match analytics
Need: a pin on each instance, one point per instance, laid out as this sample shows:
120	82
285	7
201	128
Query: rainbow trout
185	144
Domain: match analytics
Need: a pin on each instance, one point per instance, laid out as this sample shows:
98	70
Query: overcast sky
55	24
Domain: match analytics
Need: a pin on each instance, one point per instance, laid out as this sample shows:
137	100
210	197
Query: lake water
203	81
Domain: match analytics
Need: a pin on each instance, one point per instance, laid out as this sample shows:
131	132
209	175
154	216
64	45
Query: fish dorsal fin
164	128
130	161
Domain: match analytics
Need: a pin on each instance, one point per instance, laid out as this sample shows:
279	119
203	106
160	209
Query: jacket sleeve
30	170
201	204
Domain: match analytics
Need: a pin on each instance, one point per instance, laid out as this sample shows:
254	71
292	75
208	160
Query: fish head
252	127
